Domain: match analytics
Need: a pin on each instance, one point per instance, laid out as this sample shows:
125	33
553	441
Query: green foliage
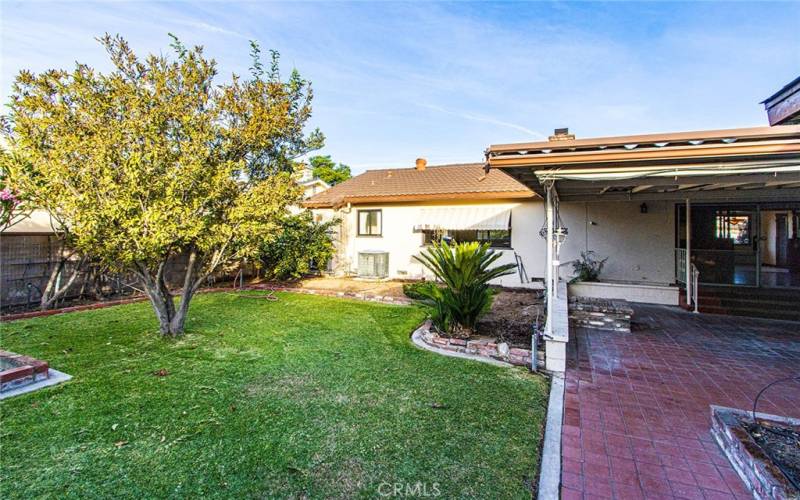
326	169
466	270
419	290
154	160
309	395
588	268
300	245
15	206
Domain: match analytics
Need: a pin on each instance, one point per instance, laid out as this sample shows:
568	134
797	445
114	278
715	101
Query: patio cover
735	164
487	218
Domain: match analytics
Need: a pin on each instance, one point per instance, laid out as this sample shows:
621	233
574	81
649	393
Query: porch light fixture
643	208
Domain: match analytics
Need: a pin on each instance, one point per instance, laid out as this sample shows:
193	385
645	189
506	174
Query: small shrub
419	290
466	270
299	247
588	267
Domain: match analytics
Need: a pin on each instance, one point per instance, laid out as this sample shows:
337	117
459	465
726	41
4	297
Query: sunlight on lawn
304	396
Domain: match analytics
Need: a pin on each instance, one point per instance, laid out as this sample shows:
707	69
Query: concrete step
755	302
787	315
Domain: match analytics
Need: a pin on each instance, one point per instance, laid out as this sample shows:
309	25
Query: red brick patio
636	419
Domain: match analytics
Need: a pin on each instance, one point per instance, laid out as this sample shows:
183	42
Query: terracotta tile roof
461	181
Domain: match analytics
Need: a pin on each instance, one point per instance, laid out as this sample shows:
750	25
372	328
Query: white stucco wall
402	243
639	247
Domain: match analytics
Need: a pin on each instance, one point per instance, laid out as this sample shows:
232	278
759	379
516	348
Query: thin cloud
485	119
210	28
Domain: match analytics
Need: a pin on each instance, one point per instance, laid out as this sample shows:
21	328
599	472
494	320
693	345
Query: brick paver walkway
637	417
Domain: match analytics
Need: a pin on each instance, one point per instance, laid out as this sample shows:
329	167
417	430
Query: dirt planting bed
513	315
781	443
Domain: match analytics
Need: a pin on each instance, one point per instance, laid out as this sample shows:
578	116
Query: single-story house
727	199
388	216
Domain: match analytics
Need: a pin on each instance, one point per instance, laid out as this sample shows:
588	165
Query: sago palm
466	270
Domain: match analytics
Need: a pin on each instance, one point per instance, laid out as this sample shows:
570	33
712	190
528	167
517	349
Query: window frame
427	240
366	212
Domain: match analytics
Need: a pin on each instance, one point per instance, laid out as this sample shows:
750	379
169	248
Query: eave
408	198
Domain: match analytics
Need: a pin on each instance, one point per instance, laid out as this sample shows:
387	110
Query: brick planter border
759	474
141	298
487	350
25	370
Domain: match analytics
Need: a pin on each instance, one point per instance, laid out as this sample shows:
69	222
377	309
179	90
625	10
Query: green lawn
304	397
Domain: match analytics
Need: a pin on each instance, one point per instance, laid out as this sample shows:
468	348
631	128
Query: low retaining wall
632	292
601	314
759	474
483	348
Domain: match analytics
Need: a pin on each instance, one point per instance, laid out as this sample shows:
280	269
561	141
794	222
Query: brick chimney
561	134
421	164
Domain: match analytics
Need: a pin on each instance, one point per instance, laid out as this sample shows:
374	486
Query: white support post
548	217
688	252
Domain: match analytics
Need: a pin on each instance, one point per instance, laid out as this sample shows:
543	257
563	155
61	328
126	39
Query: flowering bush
8	203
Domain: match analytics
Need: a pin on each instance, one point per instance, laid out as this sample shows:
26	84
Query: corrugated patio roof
743	163
664	142
444	182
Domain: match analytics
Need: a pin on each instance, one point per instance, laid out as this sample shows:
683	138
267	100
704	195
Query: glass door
724	243
779	245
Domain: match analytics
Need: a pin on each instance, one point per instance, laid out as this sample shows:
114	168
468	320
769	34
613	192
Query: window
495	238
369	222
733	227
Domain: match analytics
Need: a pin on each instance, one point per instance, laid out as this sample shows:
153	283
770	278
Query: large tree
155	160
322	167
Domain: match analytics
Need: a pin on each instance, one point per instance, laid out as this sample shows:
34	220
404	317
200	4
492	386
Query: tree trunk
171	319
56	287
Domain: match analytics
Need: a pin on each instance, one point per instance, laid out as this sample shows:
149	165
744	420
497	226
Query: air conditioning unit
373	264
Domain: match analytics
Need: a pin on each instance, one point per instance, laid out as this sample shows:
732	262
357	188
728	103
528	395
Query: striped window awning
485	218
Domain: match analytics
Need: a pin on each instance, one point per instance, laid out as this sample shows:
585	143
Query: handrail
558	269
680	265
695	279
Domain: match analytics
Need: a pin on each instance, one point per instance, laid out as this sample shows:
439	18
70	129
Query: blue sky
396	81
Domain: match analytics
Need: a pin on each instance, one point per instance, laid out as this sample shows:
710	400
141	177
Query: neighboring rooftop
783	107
422	183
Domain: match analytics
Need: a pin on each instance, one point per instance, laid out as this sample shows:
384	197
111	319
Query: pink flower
7	195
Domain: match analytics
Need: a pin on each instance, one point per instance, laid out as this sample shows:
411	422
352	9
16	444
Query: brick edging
489	350
62	310
141	298
748	459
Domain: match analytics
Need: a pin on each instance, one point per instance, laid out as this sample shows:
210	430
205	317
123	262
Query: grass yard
304	397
